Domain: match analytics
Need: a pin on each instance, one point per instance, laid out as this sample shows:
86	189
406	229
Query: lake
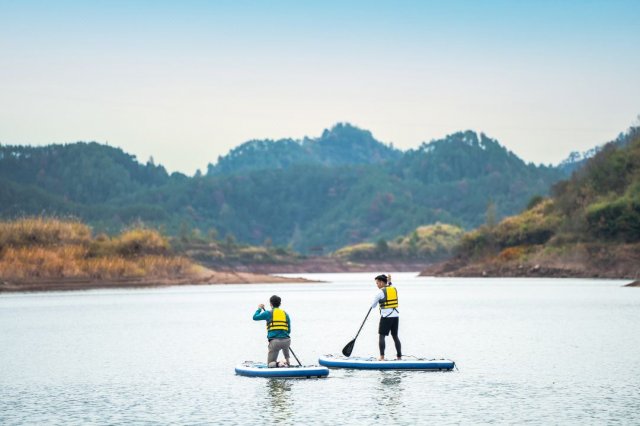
528	350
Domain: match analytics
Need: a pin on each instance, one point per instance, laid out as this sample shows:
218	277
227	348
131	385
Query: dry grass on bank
43	232
34	249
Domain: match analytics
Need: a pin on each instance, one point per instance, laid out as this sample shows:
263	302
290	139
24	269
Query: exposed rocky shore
578	261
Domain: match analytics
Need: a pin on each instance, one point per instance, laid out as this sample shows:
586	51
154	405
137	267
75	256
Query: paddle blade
346	351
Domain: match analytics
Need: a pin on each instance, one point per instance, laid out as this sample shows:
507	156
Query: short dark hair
382	278
275	301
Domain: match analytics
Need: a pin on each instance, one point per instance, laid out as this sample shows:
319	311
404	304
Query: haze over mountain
340	188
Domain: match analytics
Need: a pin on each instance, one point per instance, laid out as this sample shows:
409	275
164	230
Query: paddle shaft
362	325
294	355
346	351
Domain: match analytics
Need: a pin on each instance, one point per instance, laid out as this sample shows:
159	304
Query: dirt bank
319	265
203	277
621	261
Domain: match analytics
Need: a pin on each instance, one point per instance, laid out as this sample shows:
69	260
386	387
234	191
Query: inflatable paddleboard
260	369
373	363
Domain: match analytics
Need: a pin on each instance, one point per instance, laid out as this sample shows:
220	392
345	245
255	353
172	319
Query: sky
186	81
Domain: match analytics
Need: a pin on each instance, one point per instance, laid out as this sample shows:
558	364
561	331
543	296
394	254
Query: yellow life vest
278	320
390	300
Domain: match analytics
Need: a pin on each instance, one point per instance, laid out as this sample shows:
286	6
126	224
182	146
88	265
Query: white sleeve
378	298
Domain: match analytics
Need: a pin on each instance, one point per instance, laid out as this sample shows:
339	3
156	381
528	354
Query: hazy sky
185	81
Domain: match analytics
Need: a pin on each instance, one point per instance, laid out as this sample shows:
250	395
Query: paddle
294	355
346	351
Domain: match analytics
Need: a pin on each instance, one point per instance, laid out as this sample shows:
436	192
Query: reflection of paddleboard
260	369
374	364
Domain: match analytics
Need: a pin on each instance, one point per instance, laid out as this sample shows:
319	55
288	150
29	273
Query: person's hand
261	306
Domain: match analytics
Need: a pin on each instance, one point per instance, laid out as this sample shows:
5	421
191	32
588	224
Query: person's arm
377	299
261	314
289	323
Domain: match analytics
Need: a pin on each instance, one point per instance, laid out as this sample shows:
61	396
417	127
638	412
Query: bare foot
381	358
399	358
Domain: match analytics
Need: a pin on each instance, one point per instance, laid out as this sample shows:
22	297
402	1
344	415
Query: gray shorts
275	346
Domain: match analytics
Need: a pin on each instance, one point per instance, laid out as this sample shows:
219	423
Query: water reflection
389	390
279	398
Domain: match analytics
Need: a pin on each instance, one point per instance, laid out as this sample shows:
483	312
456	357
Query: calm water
528	350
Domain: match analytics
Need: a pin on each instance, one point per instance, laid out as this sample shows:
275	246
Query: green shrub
618	219
431	242
532	227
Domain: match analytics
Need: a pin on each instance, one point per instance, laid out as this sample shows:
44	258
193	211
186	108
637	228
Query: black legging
396	340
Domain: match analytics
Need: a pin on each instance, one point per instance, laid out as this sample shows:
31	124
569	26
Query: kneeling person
278	329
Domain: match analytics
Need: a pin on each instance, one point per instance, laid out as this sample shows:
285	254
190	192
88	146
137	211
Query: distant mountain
576	159
451	180
465	171
462	155
318	192
343	144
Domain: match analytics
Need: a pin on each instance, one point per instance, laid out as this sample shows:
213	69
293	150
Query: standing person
278	329
387	298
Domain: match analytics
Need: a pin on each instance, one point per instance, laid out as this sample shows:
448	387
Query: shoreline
318	265
453	268
269	274
577	260
232	278
208	278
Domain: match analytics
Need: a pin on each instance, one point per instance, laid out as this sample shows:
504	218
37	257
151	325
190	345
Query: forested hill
576	159
462	155
348	188
80	172
589	227
344	144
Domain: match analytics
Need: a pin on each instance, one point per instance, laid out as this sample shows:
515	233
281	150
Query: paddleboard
260	369
373	363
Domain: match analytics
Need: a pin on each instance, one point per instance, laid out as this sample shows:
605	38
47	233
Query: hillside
80	172
576	159
342	188
589	227
466	171
319	206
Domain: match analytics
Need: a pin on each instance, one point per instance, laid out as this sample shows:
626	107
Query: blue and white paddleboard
260	369
374	364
